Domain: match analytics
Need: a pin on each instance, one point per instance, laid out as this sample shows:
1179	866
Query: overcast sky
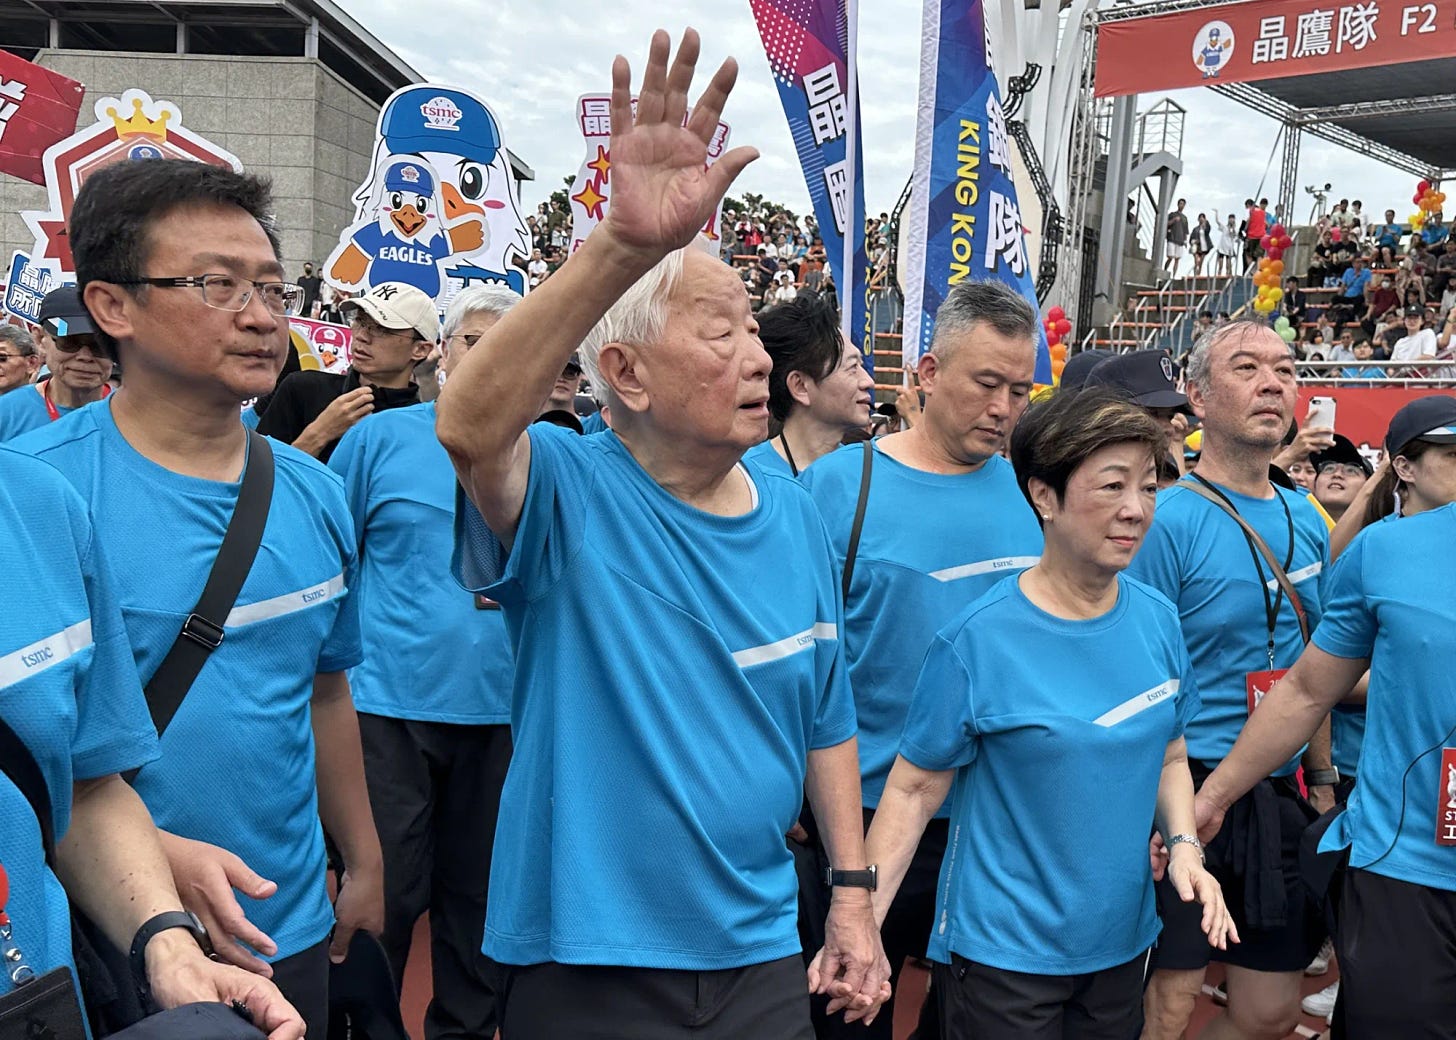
531	59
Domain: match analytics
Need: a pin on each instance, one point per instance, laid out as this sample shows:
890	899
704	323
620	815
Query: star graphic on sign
601	164
591	200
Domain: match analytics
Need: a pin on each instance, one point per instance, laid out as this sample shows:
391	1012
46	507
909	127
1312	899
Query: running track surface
912	984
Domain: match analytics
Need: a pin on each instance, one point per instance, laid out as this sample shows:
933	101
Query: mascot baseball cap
409	176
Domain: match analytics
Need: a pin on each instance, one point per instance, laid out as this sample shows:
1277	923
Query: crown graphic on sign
441	113
138	124
410	174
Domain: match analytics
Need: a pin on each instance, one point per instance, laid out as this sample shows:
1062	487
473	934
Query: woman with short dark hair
1056	699
818	388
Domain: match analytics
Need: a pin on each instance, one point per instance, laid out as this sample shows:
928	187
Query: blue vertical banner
810	47
964	221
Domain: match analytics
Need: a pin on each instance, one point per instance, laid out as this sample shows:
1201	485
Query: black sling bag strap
24	772
859	515
202	632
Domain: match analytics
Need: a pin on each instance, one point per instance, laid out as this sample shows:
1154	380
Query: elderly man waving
680	677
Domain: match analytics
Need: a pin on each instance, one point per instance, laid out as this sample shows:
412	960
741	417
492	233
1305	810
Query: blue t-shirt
594	423
1058	747
237	760
1354	282
1347	722
1198	557
68	687
23	410
418	625
1389	235
673	670
765	455
394	259
1390	601
932	544
1435	234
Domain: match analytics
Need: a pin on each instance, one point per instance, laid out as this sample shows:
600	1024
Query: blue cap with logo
426	118
404	175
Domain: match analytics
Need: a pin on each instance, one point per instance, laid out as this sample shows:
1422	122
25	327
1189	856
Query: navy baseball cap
62	313
1343	450
1078	366
1430	418
409	176
426	118
1145	376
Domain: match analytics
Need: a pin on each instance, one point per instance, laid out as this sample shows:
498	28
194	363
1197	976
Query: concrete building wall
292	119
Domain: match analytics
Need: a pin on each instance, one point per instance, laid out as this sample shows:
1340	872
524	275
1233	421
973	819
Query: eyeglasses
1344	469
223	292
470	339
12	357
362	322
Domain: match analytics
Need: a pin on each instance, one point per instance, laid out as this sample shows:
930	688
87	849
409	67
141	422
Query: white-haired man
436	736
680	678
1243	632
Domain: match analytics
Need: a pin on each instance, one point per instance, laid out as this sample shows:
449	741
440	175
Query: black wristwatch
867	878
1321	777
160	923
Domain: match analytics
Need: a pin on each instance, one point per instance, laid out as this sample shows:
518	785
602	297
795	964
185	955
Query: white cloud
531	60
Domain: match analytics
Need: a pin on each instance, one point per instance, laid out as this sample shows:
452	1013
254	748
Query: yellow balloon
1276	295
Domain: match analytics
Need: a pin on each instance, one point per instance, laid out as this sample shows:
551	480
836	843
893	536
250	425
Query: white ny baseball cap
399	306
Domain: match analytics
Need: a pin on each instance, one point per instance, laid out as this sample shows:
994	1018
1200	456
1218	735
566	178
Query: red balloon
1276	253
1053	339
1266	242
1277	231
1063	327
1417	199
1423	186
1056	314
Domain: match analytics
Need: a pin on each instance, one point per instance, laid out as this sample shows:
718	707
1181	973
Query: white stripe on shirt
288	603
966	570
44	653
1295	577
785	647
1143	701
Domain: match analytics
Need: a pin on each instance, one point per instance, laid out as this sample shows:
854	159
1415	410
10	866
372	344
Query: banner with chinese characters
965	224
38	107
26	286
591	192
810	47
1269	39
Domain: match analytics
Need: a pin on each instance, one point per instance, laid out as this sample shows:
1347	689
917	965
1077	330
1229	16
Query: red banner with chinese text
38	107
1269	39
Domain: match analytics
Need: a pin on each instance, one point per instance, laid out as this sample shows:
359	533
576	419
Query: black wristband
867	878
160	923
1321	777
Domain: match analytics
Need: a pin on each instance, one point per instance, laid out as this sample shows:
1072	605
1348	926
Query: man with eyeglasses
19	360
437	737
564	390
394	327
78	367
177	263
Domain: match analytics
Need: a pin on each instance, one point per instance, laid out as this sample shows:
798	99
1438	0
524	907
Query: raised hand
662	191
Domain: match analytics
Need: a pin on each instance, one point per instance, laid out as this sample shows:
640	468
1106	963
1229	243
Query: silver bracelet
1186	839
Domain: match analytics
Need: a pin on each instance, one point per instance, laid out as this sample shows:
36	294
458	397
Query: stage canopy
1375	76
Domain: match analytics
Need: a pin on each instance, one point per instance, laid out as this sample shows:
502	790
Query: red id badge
1258	684
485	602
1446	799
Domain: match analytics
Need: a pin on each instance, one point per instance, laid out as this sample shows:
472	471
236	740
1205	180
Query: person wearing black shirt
312	285
394	327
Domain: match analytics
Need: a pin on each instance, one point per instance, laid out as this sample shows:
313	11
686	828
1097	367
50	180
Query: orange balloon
1057	367
1059	352
1277	266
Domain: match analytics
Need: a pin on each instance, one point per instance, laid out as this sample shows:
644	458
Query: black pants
906	933
435	788
583	1002
978	1002
303	979
1397	950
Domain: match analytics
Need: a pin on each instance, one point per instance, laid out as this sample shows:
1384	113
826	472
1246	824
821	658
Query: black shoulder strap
202	632
859	515
24	772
